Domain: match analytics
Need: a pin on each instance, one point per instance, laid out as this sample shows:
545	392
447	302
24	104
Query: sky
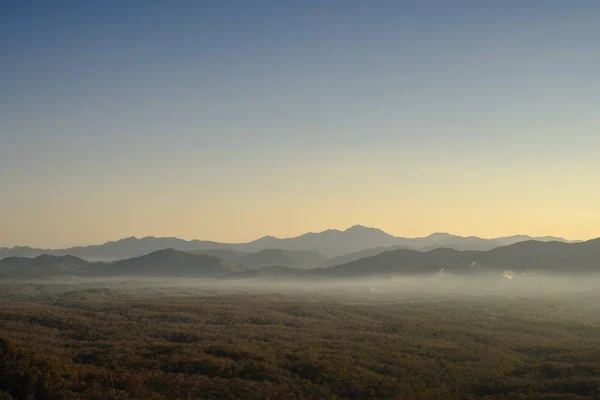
231	120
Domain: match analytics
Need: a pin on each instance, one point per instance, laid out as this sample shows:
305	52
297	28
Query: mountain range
166	262
330	243
522	257
162	263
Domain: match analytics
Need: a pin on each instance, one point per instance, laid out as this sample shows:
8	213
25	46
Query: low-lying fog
374	288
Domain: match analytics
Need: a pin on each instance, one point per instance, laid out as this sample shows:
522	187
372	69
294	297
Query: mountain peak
124	240
267	237
440	235
359	228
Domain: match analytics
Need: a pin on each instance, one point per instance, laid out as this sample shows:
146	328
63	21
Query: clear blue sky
229	120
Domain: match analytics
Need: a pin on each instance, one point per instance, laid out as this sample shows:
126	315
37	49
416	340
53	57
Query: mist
389	288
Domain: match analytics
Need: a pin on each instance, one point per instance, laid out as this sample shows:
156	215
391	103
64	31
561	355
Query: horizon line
302	234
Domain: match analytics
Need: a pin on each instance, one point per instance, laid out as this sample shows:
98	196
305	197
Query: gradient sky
230	120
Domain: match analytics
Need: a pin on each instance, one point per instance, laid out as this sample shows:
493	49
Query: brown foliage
275	347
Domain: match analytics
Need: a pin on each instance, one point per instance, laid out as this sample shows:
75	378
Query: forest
65	342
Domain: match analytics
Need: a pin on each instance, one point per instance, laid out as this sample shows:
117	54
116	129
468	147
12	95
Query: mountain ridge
522	257
331	243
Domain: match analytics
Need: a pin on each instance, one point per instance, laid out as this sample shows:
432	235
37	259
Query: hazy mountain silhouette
285	258
23	251
436	240
229	256
331	243
549	257
546	256
116	250
164	263
173	263
44	266
403	261
268	257
357	255
505	241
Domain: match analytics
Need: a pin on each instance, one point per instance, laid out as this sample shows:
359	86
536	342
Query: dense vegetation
58	344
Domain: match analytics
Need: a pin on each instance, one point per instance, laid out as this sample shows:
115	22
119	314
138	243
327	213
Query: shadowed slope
173	263
549	257
45	266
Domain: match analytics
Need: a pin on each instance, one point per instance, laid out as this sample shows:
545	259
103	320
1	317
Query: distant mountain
397	262
505	241
556	257
283	258
268	257
44	266
357	255
550	257
173	263
330	243
163	263
167	262
117	250
437	240
22	251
